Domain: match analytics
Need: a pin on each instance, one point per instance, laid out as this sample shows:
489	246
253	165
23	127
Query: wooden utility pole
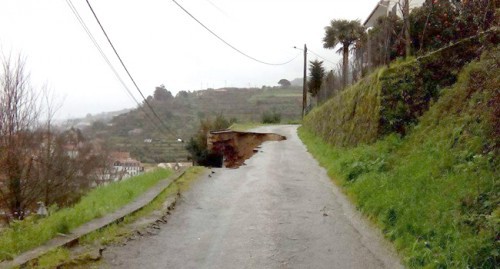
304	90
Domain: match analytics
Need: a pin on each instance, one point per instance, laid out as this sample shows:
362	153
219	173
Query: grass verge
434	193
119	231
243	127
32	232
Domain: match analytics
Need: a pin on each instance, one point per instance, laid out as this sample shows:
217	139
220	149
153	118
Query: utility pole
304	90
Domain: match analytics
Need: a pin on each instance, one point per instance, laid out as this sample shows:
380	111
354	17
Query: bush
197	145
271	117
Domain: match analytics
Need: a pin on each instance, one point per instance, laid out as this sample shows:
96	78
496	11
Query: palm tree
346	33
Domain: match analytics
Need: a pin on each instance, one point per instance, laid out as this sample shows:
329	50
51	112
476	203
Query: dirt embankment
236	147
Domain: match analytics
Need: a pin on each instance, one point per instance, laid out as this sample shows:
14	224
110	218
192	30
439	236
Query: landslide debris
235	147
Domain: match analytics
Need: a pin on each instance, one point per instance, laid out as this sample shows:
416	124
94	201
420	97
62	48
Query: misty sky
160	44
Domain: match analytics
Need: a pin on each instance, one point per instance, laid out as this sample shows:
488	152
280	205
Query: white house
384	8
125	166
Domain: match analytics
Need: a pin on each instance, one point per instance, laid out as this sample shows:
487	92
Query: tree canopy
316	74
162	94
284	83
345	33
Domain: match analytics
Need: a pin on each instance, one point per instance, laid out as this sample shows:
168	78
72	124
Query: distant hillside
182	115
104	117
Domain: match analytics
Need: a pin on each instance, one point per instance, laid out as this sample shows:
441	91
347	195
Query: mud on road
280	210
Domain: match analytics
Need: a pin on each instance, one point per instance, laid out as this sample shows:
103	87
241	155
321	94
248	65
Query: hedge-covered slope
434	192
392	99
350	117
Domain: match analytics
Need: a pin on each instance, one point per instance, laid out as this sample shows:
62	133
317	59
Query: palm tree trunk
345	65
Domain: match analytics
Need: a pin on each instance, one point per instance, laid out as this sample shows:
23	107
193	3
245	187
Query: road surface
278	211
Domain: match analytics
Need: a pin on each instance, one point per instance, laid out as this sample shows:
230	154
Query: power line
216	7
227	43
84	26
108	62
319	56
126	69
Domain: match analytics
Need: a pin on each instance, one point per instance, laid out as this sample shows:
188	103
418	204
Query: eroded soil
236	147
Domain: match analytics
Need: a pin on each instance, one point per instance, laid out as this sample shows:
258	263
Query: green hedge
392	99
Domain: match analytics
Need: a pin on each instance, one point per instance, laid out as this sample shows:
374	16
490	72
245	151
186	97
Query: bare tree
19	113
47	150
37	162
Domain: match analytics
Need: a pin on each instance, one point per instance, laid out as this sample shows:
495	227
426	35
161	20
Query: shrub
197	145
271	117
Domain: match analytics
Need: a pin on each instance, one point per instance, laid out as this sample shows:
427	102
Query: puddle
235	147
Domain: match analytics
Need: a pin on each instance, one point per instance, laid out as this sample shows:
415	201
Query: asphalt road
278	211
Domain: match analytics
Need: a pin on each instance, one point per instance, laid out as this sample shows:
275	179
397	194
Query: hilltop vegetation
419	155
184	113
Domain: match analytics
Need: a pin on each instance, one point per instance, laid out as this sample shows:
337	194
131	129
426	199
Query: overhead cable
108	62
126	69
227	43
319	56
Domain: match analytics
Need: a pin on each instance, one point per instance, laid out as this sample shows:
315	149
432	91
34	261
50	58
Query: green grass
119	231
435	192
116	232
31	232
243	127
52	259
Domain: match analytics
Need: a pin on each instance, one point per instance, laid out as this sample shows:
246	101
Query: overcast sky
160	44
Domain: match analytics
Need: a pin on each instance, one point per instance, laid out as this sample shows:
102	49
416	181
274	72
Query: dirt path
278	211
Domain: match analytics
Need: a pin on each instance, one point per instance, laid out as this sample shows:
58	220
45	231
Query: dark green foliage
439	23
271	117
434	192
197	145
385	44
401	101
434	25
284	83
316	74
407	89
342	32
346	33
161	94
